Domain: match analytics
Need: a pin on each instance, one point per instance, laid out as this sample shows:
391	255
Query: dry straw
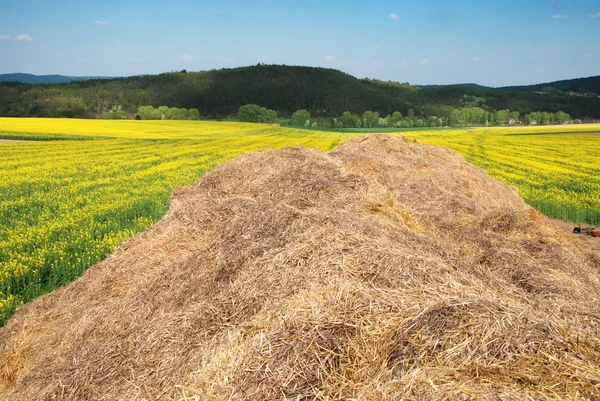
385	270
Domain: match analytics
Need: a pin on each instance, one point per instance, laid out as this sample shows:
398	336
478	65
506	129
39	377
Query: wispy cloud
393	17
376	47
377	63
4	37
559	16
589	56
24	38
402	63
330	59
425	61
100	22
186	57
595	16
480	61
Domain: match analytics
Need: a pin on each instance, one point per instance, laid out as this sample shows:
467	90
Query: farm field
67	201
556	169
86	185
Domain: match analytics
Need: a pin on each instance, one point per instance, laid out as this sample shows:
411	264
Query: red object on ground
595	234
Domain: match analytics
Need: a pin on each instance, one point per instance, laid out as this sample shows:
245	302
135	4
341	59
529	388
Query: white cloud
186	57
425	61
589	56
559	16
24	38
595	16
4	37
330	59
402	63
480	61
377	63
100	22
376	47
393	17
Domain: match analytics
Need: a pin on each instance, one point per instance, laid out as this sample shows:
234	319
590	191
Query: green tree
563	118
534	118
193	114
256	114
370	119
299	117
548	118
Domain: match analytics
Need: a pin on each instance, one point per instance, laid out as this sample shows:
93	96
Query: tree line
462	117
325	93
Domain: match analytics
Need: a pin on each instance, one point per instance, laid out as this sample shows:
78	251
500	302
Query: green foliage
370	119
66	203
300	117
116	113
256	114
472	101
322	92
349	120
167	113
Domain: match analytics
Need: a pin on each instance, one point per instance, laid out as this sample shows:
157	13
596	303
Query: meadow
68	198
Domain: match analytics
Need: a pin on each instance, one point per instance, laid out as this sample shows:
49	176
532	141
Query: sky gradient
488	42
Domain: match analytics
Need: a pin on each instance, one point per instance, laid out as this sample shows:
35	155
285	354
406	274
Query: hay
384	270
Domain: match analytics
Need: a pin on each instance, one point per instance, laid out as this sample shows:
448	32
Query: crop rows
66	202
556	172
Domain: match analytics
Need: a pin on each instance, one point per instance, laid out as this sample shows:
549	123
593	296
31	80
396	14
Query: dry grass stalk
384	270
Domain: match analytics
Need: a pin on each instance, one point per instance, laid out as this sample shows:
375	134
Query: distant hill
43	79
578	85
471	85
323	92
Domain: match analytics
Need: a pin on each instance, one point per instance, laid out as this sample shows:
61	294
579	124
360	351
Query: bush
253	113
166	113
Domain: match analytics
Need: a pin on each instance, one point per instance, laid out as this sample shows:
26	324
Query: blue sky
426	42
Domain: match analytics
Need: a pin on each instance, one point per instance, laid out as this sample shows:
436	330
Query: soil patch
567	228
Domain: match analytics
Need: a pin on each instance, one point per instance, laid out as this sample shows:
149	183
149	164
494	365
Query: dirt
15	140
587	240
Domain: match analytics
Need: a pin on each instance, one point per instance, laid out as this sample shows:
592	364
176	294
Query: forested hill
43	79
581	86
324	92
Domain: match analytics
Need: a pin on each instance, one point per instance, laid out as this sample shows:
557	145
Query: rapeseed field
555	169
67	199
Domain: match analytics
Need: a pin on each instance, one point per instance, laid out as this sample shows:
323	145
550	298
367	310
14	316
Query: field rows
557	174
65	203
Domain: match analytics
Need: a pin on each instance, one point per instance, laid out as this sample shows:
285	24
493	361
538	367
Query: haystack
384	270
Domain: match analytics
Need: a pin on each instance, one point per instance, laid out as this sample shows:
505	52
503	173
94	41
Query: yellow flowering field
556	169
67	199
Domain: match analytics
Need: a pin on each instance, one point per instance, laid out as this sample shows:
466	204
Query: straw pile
384	270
